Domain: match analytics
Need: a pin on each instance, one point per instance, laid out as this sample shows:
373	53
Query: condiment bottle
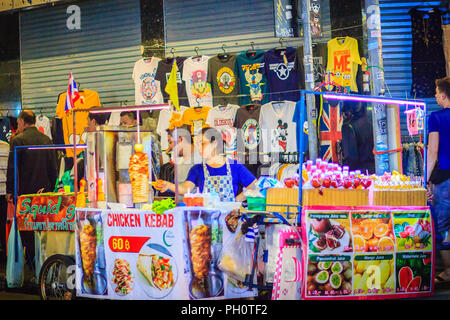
188	200
81	197
101	202
198	199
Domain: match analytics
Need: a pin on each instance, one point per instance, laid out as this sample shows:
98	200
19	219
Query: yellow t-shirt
343	61
196	118
88	99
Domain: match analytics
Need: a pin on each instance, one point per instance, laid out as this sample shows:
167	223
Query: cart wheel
57	278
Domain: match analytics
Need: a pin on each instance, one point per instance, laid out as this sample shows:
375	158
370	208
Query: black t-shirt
163	74
249	132
223	79
319	63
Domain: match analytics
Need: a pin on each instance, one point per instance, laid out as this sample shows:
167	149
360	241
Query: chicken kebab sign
130	255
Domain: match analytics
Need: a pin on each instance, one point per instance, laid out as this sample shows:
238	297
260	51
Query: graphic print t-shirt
43	125
249	132
163	74
282	76
195	77
224	82
88	99
279	131
252	80
196	118
222	118
5	129
319	63
343	61
147	88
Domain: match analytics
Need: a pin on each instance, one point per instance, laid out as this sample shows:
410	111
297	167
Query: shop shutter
101	55
397	48
208	24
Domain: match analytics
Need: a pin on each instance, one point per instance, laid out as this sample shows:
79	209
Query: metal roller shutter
101	55
208	24
397	44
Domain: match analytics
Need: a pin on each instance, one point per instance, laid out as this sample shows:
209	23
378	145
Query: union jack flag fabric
72	94
330	131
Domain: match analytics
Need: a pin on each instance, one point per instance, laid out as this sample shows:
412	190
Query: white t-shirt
195	77
163	124
279	132
222	119
43	125
147	89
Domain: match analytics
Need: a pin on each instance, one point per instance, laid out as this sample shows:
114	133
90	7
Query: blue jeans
442	206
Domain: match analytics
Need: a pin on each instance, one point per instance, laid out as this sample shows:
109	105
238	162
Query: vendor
217	173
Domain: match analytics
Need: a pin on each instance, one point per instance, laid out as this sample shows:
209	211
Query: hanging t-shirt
252	80
319	63
196	118
279	131
249	135
163	124
222	118
282	76
224	82
147	89
5	129
43	125
88	99
303	134
343	61
195	77
163	74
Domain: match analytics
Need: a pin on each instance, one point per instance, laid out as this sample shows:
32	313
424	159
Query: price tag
127	244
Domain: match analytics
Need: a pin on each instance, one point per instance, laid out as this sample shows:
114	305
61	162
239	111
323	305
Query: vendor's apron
222	185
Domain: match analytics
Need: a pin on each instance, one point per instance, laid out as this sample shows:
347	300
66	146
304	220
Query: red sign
127	244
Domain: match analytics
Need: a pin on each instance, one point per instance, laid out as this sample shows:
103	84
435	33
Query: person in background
167	154
128	118
438	170
97	119
217	173
36	169
187	155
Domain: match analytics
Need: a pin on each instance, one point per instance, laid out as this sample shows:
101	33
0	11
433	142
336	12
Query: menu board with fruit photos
367	252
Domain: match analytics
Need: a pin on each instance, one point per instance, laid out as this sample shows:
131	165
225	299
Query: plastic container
197	199
256	203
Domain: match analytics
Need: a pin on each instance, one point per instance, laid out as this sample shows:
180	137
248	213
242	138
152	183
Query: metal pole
301	107
175	164
75	160
379	116
309	79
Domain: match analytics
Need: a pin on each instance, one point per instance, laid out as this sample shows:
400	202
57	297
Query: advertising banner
46	212
367	253
140	255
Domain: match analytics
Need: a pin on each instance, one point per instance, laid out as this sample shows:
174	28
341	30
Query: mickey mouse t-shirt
282	75
278	128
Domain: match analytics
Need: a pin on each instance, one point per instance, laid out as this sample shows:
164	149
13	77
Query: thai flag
72	94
